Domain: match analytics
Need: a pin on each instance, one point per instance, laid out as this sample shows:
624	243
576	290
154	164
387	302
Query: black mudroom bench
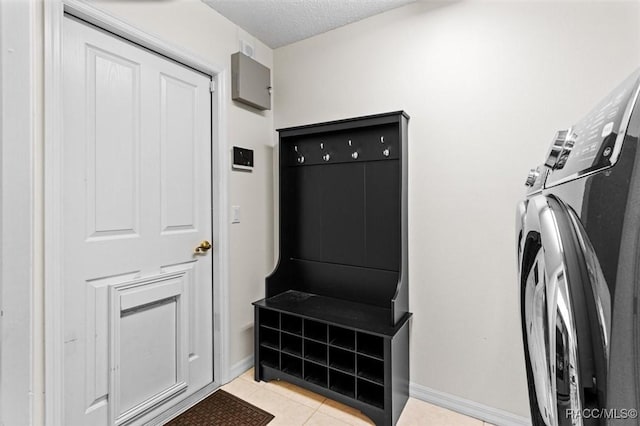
335	318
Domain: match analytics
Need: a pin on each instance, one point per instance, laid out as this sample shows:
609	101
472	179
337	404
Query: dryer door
565	315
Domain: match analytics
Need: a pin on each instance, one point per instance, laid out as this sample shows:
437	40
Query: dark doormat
222	409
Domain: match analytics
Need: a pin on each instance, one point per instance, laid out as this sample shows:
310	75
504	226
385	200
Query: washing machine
578	246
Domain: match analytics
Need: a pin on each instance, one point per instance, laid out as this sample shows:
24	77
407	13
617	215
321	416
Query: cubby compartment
291	365
315	330
270	319
371	345
270	357
371	393
270	338
342	337
315	374
342	360
371	369
291	344
315	351
291	324
342	383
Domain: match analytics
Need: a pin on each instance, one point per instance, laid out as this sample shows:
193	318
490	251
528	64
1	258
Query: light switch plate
235	214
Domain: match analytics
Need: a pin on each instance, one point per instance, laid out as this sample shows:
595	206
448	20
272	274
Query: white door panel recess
136	203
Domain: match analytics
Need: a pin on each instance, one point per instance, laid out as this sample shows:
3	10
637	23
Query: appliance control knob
556	148
532	177
561	147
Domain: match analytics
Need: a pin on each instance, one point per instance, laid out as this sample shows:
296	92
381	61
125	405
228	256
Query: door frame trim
20	248
54	11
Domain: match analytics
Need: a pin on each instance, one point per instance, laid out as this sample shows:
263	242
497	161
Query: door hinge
212	86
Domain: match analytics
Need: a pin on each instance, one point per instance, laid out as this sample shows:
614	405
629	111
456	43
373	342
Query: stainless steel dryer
578	243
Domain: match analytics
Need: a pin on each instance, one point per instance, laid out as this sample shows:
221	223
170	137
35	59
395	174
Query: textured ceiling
280	22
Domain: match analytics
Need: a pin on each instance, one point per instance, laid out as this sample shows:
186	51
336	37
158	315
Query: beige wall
198	29
487	84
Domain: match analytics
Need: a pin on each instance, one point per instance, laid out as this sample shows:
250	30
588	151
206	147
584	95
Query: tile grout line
312	414
289	396
315	410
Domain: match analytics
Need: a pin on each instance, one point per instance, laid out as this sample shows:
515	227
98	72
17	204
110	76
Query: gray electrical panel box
250	82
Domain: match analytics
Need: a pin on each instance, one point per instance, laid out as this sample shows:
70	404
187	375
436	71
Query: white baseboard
464	406
240	367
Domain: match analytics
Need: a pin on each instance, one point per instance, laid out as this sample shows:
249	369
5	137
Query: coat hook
354	154
300	156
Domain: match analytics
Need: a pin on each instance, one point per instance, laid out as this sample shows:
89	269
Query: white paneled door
136	203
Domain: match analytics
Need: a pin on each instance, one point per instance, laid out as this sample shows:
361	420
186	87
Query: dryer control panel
595	142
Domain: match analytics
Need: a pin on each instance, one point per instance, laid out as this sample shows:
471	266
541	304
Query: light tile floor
293	406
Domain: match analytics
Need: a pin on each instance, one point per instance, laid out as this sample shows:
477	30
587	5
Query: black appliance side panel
603	209
623	386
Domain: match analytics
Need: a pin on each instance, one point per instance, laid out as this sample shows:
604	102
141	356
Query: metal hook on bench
300	158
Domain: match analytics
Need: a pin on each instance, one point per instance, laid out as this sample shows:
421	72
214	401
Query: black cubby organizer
335	317
352	364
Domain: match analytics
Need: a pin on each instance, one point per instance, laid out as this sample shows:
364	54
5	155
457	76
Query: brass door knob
203	247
